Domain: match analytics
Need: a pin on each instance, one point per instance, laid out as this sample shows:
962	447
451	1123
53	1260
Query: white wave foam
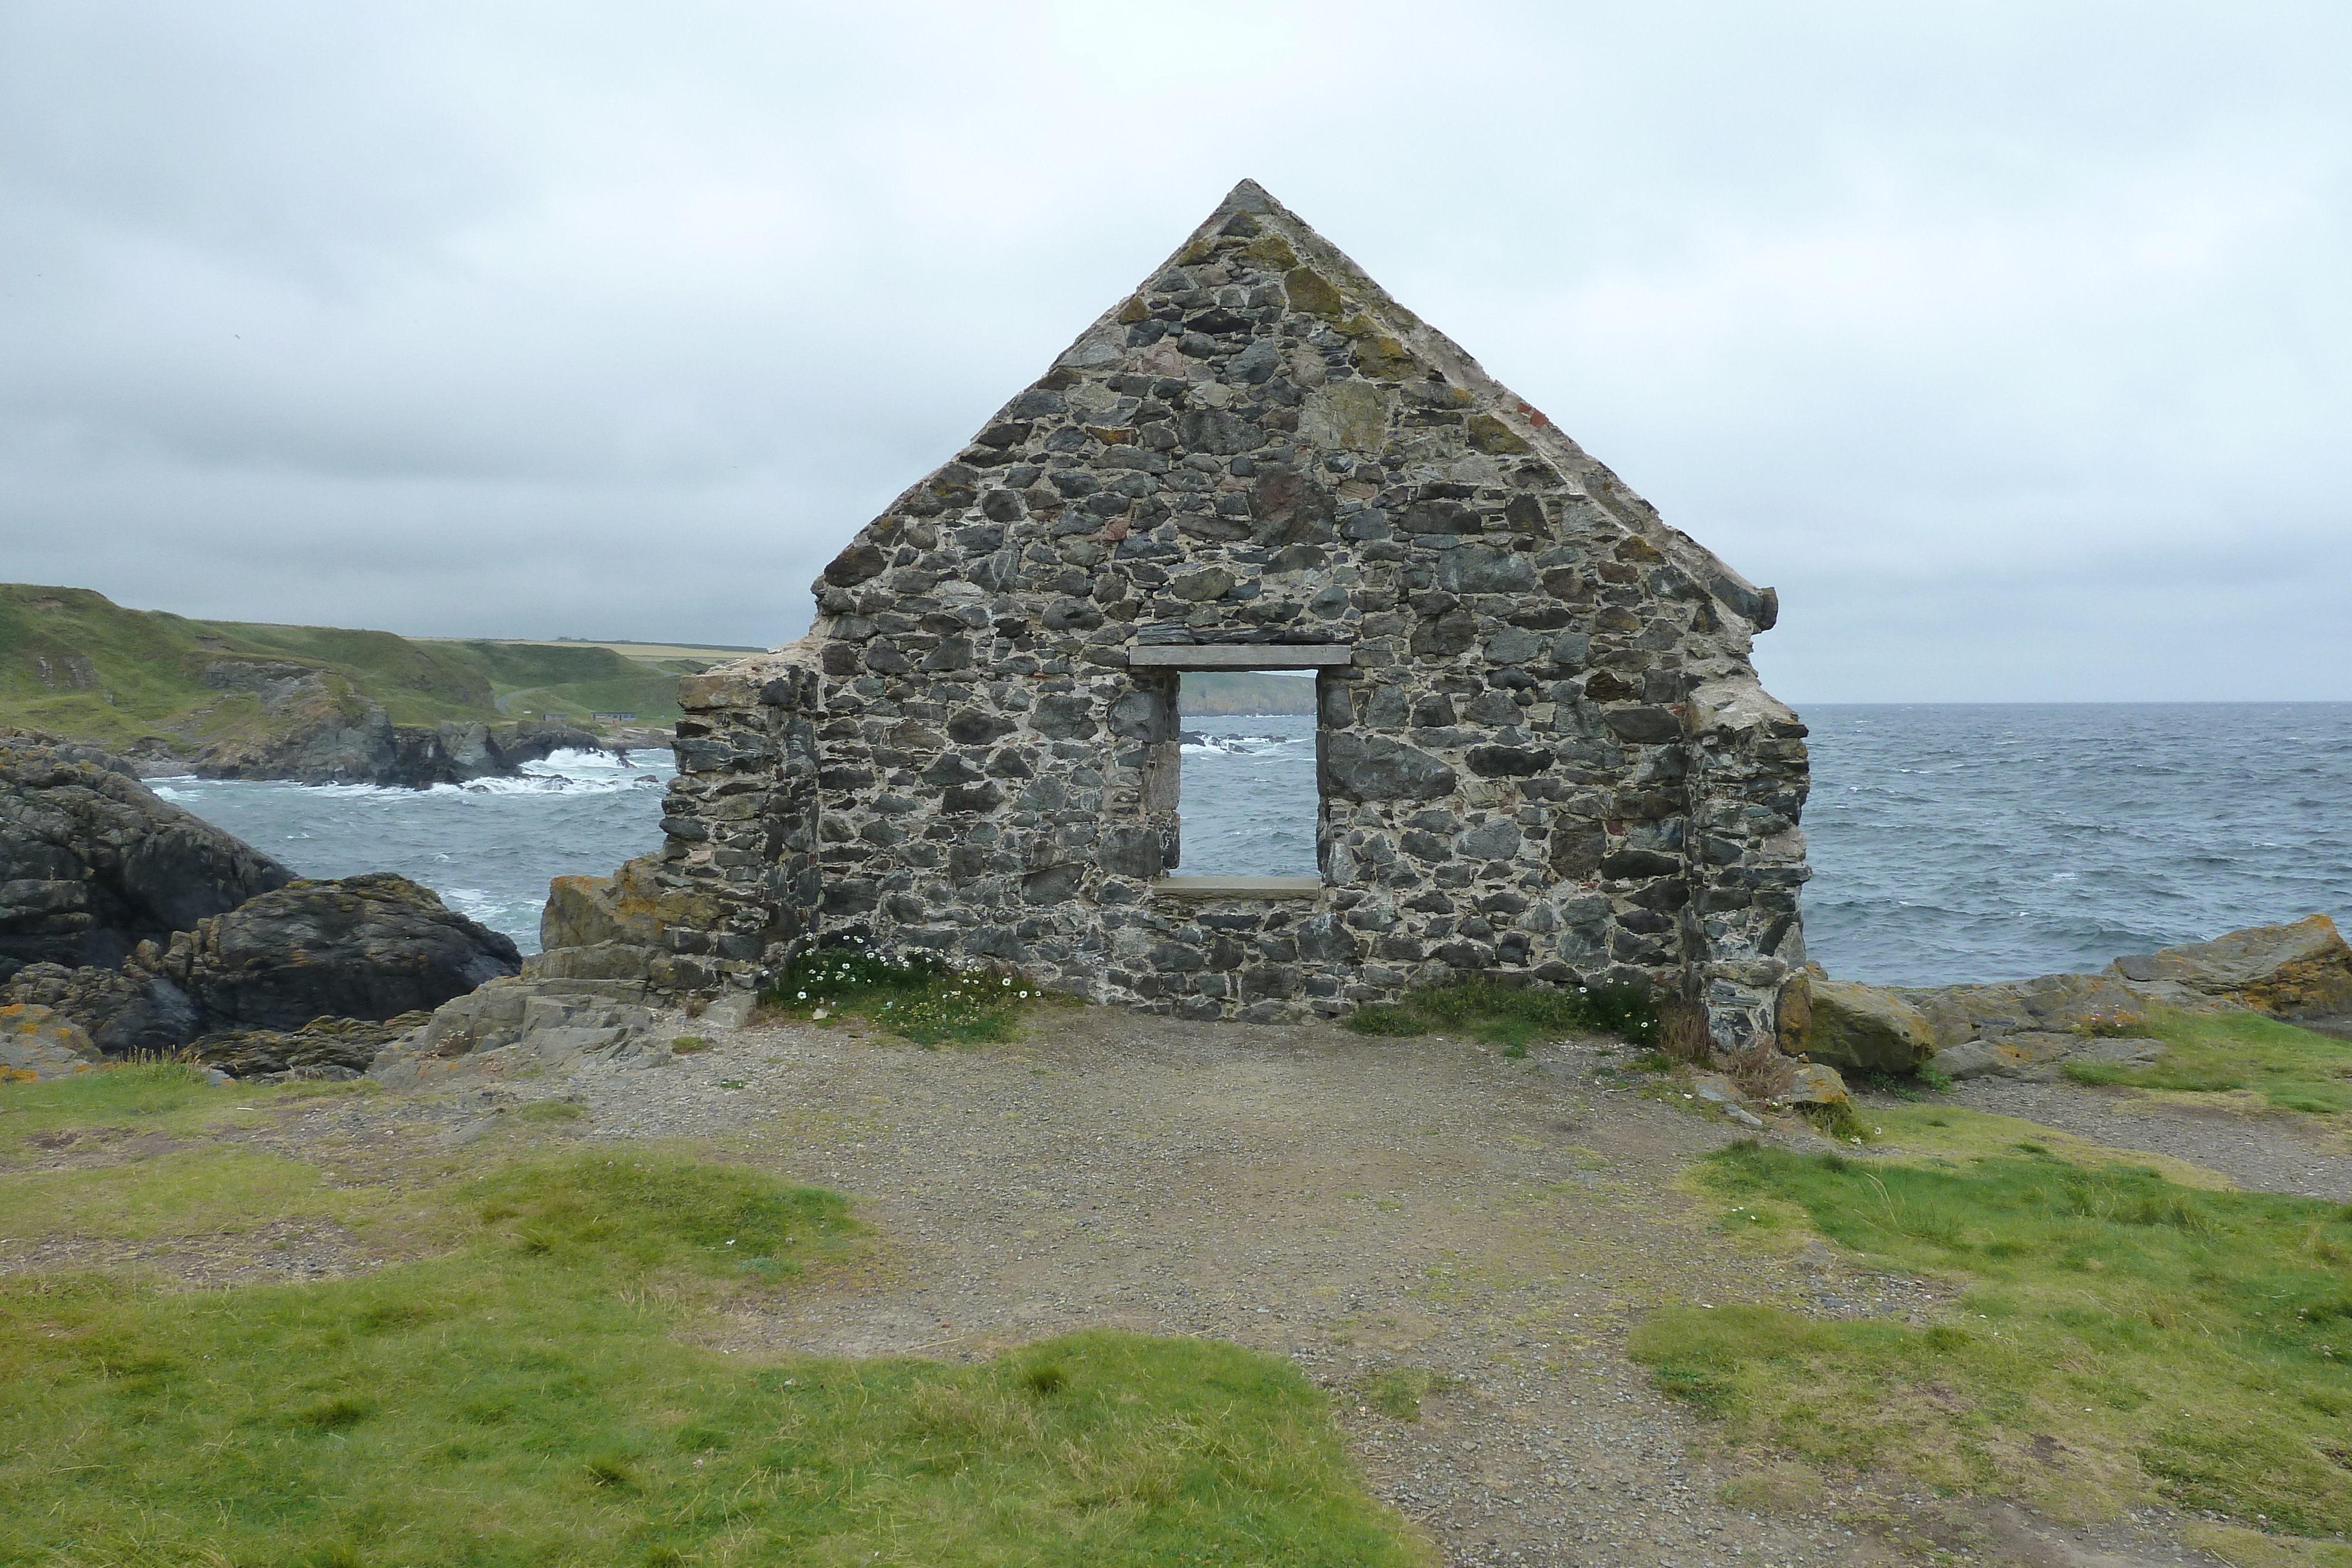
476	904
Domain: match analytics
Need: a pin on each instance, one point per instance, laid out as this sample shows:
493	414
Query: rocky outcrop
357	743
92	862
512	1027
333	1048
371	947
137	928
300	961
2303	970
636	925
2300	972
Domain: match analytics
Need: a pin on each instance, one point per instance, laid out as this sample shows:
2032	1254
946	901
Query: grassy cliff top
1212	692
74	662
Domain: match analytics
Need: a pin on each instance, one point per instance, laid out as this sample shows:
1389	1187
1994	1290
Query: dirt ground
1364	1207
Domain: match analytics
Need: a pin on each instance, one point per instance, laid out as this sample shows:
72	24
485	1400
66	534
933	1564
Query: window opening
1247	792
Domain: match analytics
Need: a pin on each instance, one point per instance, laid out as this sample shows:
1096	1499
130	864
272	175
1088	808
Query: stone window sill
1238	887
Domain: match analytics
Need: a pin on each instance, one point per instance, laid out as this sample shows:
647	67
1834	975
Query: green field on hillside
73	662
1210	693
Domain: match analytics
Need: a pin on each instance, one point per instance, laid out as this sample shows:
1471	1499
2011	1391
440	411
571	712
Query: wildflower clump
926	999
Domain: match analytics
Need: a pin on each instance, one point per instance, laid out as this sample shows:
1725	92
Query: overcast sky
2011	343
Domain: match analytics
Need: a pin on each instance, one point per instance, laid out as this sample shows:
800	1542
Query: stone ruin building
1542	751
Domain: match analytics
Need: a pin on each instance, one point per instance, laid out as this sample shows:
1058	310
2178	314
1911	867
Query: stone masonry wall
1544	753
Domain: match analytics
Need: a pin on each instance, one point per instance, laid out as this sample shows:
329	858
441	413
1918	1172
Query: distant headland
319	705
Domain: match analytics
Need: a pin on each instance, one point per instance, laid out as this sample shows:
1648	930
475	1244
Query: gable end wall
1548	756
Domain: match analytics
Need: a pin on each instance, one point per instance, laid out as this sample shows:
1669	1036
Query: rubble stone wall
1542	751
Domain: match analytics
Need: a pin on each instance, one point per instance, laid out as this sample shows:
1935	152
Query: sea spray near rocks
489	849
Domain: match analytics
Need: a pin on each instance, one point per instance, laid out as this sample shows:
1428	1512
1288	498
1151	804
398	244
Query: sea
1950	844
489	847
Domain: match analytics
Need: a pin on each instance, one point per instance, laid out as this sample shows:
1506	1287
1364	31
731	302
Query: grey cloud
2008	341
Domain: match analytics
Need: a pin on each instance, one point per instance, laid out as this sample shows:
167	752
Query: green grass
919	996
151	1098
118	675
1514	1018
536	1394
1398	1392
2291	1068
2170	1340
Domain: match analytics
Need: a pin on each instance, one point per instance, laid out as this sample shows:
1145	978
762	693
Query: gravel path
2260	1149
1360	1205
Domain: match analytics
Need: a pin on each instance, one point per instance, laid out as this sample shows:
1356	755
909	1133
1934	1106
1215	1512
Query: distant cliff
1244	691
314	704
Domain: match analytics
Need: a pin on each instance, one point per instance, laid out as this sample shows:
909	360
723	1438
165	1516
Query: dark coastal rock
372	946
357	743
92	862
126	1011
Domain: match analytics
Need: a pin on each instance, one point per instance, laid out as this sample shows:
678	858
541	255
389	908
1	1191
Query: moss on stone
1384	359
1272	250
1310	291
1490	435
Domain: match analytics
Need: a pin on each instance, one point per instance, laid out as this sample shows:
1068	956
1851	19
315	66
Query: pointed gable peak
1259	391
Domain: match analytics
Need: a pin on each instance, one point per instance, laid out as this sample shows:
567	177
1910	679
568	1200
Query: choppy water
1948	842
1247	796
1990	841
489	849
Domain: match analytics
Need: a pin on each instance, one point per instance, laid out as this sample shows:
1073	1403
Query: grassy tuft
2170	1341
1398	1392
2291	1068
1514	1017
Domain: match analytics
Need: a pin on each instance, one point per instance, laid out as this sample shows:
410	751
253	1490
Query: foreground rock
92	862
327	1048
268	986
370	946
37	1042
1866	1029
